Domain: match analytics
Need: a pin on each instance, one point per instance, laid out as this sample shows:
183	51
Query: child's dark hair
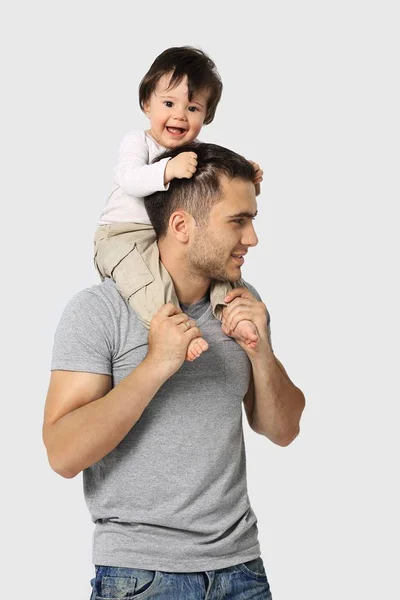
200	70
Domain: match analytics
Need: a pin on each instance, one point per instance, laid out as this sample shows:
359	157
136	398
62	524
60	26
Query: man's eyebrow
246	214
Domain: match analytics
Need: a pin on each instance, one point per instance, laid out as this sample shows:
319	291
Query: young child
179	94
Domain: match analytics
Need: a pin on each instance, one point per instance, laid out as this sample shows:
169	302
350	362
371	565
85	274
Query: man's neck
189	288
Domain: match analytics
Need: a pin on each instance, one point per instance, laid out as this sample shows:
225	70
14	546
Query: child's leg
102	232
128	253
118	255
245	330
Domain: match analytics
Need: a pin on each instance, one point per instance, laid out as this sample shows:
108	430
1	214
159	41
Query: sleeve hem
95	369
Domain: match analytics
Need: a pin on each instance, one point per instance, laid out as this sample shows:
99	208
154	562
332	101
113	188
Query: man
159	439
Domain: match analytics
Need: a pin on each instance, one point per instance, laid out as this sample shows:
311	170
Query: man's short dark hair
199	69
197	195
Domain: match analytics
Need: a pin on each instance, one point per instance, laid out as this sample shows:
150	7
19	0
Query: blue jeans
245	581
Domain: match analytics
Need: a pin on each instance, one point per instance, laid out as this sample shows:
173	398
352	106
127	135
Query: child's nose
179	114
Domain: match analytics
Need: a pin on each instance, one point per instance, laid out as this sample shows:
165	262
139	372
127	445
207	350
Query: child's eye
168	103
193	108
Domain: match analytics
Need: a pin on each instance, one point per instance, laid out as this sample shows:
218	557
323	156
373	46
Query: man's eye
239	221
168	103
193	108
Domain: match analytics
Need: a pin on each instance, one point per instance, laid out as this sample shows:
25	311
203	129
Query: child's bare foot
195	348
245	332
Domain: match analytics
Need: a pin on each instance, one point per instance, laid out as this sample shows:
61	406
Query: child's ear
146	108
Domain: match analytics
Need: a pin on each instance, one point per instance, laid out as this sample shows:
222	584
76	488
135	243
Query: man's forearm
87	434
278	403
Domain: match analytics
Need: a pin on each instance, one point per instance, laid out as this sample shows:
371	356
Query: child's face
174	120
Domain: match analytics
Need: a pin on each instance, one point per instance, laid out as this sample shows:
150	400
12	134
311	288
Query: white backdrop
311	92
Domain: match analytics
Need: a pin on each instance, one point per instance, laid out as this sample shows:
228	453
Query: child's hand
182	166
258	176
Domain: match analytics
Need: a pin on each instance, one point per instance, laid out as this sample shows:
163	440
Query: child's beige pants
128	253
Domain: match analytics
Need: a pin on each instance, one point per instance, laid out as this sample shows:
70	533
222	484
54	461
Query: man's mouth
178	131
239	257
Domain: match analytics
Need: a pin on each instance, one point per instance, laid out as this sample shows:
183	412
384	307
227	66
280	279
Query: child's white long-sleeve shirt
134	178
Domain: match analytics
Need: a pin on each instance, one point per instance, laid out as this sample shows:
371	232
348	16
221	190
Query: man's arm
84	419
273	404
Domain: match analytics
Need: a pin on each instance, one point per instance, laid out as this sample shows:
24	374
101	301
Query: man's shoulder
96	329
102	298
252	289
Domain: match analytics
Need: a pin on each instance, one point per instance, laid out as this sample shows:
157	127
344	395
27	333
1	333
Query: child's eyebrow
168	97
196	102
174	98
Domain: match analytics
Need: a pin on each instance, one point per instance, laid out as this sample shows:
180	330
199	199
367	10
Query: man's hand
170	333
243	306
258	176
182	166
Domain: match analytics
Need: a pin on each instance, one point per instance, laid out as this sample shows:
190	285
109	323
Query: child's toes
192	352
196	348
201	345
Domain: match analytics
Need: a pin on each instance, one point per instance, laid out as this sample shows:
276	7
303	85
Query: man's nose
249	236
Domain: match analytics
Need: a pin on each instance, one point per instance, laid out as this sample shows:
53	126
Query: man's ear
180	222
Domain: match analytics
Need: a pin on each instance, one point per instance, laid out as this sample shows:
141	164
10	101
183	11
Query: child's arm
133	173
138	178
182	166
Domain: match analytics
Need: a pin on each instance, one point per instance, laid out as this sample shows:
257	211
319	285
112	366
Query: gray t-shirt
172	496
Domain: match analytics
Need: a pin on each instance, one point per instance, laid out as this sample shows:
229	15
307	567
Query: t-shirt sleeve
257	295
83	338
133	173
